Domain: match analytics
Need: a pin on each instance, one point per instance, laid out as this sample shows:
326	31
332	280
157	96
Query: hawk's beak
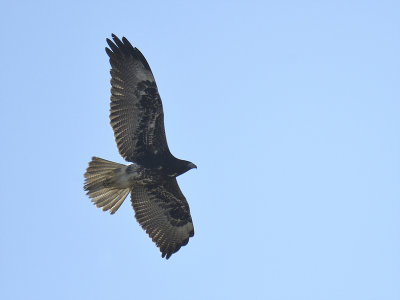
192	166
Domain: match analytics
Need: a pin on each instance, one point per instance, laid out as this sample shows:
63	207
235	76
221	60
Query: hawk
137	119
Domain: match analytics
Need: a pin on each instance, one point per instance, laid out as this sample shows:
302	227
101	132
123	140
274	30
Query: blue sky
290	109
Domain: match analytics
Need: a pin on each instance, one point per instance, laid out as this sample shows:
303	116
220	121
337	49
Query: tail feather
98	176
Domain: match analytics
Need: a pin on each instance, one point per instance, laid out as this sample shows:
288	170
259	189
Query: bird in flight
137	119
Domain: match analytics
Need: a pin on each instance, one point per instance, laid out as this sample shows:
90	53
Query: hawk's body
137	120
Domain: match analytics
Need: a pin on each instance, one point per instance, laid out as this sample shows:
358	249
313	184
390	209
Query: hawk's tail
98	178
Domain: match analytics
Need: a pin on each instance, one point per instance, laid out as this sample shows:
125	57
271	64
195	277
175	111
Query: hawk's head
182	166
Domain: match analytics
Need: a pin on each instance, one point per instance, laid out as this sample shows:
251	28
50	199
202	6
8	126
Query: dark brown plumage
137	119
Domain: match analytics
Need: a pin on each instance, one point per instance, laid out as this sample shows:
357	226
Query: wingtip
109	52
109	42
127	43
166	254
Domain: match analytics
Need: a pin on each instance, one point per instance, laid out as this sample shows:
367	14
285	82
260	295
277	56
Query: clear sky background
290	109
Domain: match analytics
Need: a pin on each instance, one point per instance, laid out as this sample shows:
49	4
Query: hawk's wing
136	111
162	210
